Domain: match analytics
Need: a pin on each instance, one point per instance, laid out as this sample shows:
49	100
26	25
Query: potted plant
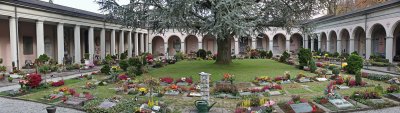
10	79
51	109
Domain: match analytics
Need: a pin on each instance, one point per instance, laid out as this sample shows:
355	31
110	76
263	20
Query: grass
244	70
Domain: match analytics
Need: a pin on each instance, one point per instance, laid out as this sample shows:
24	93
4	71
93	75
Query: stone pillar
327	45
13	40
136	37
60	43
39	38
166	49
150	48
103	43
253	43
351	45
236	46
200	44
305	44
288	45
339	46
113	42
122	42
389	48
77	44
130	46
141	42
312	44
91	44
271	45
183	47
368	45
147	42
319	43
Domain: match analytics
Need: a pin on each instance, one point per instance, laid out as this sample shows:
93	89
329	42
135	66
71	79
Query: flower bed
297	100
371	98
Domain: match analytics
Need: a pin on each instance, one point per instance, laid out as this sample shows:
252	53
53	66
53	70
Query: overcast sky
90	5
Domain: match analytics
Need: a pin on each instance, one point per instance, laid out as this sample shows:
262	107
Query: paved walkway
19	106
386	110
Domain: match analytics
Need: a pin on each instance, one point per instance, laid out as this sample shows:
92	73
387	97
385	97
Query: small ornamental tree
270	55
202	53
312	66
354	64
305	56
123	64
358	78
284	57
106	69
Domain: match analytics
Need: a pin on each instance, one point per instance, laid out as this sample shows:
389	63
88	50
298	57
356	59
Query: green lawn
244	70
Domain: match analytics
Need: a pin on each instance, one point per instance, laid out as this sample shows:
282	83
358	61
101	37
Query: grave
275	93
303	80
264	83
172	93
245	93
329	72
301	107
194	94
286	82
343	87
182	84
321	79
107	104
76	101
395	95
341	103
377	101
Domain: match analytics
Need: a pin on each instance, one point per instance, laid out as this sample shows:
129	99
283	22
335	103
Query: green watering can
202	106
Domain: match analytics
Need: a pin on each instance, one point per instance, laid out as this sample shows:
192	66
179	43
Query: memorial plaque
343	87
275	93
301	108
322	79
377	101
76	101
245	93
107	104
341	103
172	93
395	95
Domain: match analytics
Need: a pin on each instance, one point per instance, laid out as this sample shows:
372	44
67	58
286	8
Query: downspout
17	34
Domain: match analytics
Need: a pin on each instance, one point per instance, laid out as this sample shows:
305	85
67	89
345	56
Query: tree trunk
224	51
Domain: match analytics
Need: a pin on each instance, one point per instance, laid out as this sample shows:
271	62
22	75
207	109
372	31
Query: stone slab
107	104
395	95
343	87
275	93
76	101
321	79
377	101
301	108
341	103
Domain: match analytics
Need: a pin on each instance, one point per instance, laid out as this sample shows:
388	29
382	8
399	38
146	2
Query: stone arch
244	44
158	46
262	42
344	41
192	44
210	43
296	42
378	39
279	43
333	41
324	42
174	45
396	41
359	40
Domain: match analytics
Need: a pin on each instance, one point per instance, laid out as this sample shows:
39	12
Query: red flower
279	87
123	77
34	80
266	87
167	80
58	83
278	78
340	81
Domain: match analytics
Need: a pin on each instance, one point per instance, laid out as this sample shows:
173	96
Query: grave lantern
205	85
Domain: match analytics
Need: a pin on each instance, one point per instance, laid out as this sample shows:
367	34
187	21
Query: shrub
179	56
269	55
358	78
284	57
263	54
86	56
105	69
202	53
379	64
336	71
43	58
393	89
34	80
312	66
254	54
305	56
336	54
379	77
123	64
355	63
123	55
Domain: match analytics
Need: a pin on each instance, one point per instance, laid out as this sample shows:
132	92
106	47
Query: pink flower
269	103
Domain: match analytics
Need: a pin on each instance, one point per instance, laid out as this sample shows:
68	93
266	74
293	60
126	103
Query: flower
143	89
269	103
344	64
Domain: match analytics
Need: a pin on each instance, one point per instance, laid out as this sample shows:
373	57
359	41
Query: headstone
195	94
15	76
76	101
321	79
377	101
286	82
172	93
245	93
329	72
156	108
395	95
341	103
301	107
275	93
343	87
304	79
107	104
182	84
264	83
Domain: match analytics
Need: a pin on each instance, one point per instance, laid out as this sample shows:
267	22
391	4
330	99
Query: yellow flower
344	64
143	89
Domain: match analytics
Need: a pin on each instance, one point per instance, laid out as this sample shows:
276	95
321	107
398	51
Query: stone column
77	44
288	45
166	49
136	37
39	38
327	45
312	44
13	40
103	43
271	45
141	42
183	47
389	48
339	46
305	44
147	42
236	46
150	48
60	43
113	42
91	44
368	45
253	43
319	43
122	42
200	44
130	46
351	48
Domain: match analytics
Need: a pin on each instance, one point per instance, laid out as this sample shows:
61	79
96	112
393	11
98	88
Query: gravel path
19	106
386	110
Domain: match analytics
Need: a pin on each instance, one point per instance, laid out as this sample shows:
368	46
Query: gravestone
341	103
205	86
274	93
343	87
286	82
107	104
321	79
395	95
245	93
264	83
301	108
172	93
195	94
303	80
76	101
377	101
182	84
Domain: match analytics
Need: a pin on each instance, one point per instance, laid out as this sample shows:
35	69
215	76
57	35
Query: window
28	45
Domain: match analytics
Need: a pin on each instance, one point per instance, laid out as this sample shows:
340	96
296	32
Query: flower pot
51	109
